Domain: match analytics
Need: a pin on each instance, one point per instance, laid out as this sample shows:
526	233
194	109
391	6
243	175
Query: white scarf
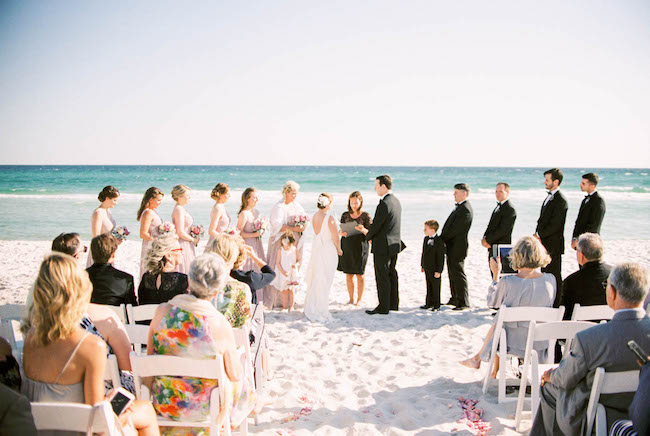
196	306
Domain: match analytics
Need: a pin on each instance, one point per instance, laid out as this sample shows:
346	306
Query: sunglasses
178	249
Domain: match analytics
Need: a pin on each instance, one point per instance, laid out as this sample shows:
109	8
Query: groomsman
550	226
386	240
454	234
592	209
502	221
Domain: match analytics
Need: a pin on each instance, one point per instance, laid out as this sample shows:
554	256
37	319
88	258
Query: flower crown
323	201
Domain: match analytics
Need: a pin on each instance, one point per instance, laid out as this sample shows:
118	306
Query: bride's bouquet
167	228
300	220
120	233
261	224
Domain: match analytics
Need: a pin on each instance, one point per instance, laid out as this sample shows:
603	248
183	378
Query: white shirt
550	195
383	196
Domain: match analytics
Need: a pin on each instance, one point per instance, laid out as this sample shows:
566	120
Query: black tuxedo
433	261
585	287
386	240
590	216
550	229
499	229
111	286
454	234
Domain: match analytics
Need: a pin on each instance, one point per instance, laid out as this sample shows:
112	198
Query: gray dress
514	291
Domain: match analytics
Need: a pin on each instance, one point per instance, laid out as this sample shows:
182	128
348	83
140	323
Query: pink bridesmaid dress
108	224
155	232
255	243
188	247
224	220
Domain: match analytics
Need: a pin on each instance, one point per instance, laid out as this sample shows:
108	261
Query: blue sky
516	83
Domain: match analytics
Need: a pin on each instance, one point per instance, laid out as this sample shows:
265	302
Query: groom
384	233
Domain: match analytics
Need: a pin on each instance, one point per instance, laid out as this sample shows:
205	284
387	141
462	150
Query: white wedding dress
320	274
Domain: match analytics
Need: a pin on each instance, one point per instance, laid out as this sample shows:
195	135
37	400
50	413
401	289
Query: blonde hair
179	190
219	190
226	246
288	236
528	252
154	260
289	187
61	295
243	254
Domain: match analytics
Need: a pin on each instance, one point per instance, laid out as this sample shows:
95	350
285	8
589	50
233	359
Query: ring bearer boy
432	263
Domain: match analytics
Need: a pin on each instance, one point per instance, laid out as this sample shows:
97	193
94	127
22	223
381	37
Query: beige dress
155	232
224	219
188	247
108	224
254	242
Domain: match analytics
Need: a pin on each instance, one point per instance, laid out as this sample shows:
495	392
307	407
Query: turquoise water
38	202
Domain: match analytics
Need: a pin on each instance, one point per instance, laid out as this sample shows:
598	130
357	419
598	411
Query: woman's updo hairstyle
324	200
179	190
207	276
160	247
108	192
219	190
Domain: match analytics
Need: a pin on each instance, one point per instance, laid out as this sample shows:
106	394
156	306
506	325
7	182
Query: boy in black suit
432	263
110	286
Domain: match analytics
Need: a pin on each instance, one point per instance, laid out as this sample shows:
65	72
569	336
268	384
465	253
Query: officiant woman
355	247
281	220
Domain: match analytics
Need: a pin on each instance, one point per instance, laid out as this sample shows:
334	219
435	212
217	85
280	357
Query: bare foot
472	362
351	302
357	303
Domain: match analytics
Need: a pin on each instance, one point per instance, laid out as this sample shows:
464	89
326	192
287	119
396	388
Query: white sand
361	374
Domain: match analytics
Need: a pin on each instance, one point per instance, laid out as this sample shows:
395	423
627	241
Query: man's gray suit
564	400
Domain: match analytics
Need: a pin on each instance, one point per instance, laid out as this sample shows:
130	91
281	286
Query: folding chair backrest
10	317
138	335
120	311
530	313
552	331
141	313
112	371
75	417
609	383
587	313
13	311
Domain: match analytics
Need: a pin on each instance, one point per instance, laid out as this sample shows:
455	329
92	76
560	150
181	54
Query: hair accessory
323	201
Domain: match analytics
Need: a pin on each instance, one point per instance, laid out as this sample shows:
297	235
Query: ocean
39	202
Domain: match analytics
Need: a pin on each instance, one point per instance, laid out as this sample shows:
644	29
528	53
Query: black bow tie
498	203
457	204
549	192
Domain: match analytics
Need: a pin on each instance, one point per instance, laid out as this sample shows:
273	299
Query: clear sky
503	82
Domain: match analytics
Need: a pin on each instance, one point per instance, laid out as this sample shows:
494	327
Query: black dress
171	284
355	248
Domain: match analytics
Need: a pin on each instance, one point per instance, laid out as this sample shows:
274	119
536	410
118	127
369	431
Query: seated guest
9	368
639	422
529	287
190	326
255	280
110	286
62	362
161	283
565	389
15	414
99	319
586	286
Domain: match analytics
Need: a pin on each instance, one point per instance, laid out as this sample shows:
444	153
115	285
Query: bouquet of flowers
120	233
166	228
300	220
260	225
232	231
196	231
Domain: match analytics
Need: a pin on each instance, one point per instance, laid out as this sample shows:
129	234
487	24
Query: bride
326	248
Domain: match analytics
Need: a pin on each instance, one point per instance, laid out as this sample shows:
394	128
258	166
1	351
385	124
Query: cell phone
503	251
640	354
120	400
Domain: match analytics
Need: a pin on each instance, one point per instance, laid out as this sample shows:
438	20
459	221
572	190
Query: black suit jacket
454	232
590	216
385	228
15	414
433	255
585	287
502	221
550	225
111	286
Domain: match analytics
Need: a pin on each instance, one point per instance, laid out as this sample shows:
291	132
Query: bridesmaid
149	222
182	221
280	221
247	216
101	221
219	218
355	248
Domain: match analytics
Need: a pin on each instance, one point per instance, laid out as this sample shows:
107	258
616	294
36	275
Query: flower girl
287	265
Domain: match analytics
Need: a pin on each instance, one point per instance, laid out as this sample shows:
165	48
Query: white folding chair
587	313
157	365
120	311
112	371
242	339
607	383
260	361
138	335
10	317
513	314
141	313
531	370
76	417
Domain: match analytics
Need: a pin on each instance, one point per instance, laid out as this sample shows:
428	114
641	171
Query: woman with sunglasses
161	283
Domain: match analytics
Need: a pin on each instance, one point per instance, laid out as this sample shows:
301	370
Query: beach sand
362	375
